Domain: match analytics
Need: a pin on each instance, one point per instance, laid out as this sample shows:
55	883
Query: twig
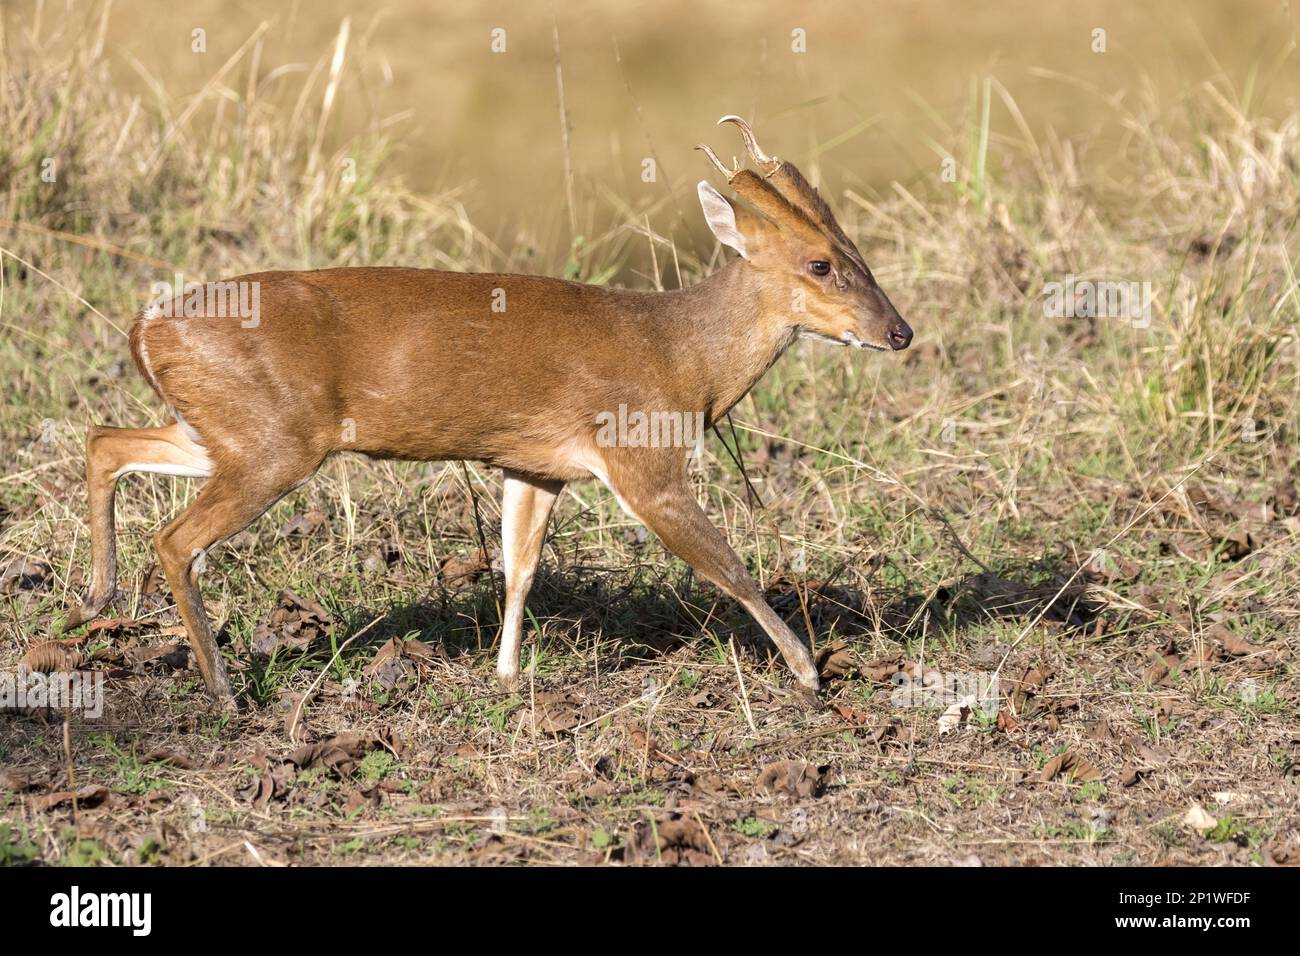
744	694
302	701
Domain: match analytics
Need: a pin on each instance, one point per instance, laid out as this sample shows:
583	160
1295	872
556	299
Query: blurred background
869	93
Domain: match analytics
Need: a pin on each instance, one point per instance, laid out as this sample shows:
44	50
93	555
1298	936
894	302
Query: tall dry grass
997	407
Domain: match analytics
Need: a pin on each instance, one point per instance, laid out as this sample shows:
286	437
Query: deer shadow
636	616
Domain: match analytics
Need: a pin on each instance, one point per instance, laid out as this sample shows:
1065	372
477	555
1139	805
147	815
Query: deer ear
721	217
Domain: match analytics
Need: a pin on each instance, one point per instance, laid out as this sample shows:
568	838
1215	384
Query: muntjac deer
514	371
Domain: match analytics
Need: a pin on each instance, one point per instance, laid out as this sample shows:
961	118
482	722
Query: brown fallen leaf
1199	819
550	712
792	778
1280	854
50	657
1069	763
173	757
293	624
884	668
87	797
835	661
24	574
1236	544
673	840
857	719
397	660
1130	776
343	752
302	525
1232	645
952	718
460	571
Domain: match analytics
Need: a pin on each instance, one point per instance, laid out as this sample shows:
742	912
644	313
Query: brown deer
514	371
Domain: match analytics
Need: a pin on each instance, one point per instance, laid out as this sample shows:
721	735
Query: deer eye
819	267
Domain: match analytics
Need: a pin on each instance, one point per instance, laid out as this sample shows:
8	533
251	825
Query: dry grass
929	510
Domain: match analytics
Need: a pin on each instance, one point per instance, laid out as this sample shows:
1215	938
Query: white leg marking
164	468
525	507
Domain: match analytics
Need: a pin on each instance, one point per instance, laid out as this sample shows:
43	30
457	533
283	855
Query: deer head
814	278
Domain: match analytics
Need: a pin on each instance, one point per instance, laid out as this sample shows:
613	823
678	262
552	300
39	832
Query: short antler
769	164
722	167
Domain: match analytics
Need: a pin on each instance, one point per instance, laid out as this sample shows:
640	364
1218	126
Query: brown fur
410	363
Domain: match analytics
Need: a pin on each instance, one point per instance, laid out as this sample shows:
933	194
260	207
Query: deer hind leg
110	454
660	497
525	509
227	504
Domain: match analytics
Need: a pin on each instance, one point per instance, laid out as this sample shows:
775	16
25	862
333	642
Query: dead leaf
1236	544
24	574
50	657
792	778
673	840
857	719
1279	854
703	699
1069	763
550	712
173	757
461	571
342	752
302	525
293	624
396	661
835	661
952	718
87	797
1199	819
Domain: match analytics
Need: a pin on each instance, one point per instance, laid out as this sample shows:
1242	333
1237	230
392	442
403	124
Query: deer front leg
525	509
663	502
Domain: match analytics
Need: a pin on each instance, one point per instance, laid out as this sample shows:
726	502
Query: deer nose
900	336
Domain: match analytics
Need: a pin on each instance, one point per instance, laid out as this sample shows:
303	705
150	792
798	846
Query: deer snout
899	335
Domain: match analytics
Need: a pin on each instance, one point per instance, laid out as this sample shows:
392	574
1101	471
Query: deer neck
725	337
